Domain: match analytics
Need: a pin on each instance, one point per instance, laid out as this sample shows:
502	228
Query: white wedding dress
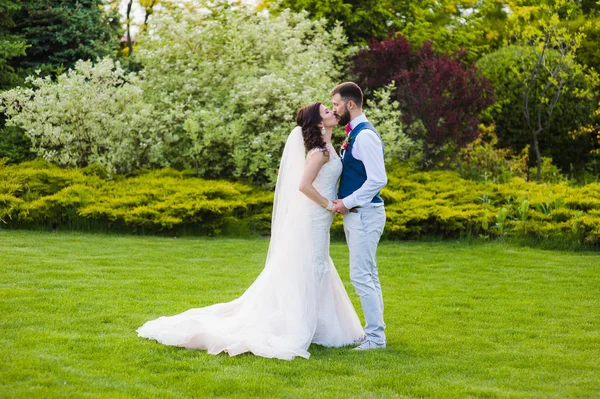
298	298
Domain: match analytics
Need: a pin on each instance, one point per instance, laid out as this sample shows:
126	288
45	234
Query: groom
362	179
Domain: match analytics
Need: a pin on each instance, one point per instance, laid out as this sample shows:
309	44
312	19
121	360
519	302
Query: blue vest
354	174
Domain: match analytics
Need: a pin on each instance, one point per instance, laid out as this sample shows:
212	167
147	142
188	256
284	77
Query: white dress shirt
368	149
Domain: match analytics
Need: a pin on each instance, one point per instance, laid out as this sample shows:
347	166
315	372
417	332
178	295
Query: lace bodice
329	174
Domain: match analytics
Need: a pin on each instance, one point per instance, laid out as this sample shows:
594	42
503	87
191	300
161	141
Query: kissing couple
299	298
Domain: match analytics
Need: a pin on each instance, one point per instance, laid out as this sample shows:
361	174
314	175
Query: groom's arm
368	149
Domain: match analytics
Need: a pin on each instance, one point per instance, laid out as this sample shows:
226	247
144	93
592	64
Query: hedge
441	204
37	194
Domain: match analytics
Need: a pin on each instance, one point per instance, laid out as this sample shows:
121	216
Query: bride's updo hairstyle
308	118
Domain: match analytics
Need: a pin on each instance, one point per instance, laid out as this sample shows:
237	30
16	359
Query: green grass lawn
463	320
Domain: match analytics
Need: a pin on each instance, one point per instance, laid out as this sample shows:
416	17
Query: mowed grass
463	320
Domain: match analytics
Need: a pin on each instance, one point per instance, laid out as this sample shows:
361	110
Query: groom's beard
344	118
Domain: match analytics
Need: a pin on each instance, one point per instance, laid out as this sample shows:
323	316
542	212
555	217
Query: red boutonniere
346	142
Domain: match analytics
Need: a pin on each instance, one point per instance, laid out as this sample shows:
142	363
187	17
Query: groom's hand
338	207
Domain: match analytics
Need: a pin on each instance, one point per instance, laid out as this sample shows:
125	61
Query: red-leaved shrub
441	97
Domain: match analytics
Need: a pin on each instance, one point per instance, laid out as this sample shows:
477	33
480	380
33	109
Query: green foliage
500	68
39	194
547	64
92	114
62	32
386	115
362	19
11	45
223	107
482	160
454	24
451	24
228	82
550	172
440	204
588	52
443	204
15	146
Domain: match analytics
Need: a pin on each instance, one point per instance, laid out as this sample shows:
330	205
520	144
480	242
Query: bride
298	298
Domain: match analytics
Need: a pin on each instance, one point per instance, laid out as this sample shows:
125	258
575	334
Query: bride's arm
311	169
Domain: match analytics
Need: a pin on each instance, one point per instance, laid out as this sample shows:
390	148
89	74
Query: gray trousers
363	231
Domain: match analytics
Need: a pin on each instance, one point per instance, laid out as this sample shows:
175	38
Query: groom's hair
349	91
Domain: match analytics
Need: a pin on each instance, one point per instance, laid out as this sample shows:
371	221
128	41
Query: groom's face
340	109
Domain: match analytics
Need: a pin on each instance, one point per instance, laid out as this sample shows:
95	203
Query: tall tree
130	24
589	6
14	146
11	45
540	30
62	32
128	21
503	68
449	24
361	19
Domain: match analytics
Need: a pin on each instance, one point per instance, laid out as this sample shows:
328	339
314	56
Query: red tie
348	128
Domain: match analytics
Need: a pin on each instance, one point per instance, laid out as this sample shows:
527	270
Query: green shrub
15	146
421	204
482	160
159	201
228	81
570	112
443	204
94	113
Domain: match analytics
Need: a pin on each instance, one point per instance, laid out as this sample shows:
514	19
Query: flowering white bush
229	81
219	91
92	114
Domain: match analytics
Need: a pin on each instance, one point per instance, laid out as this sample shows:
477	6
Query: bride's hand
338	207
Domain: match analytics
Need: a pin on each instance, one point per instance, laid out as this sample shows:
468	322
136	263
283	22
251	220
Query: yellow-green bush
443	204
163	200
440	204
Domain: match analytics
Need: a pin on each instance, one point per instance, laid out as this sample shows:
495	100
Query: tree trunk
149	11
538	157
425	157
128	17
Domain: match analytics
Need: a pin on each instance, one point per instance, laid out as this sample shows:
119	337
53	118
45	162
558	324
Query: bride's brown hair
308	119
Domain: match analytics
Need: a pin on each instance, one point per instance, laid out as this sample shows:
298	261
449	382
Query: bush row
441	204
37	194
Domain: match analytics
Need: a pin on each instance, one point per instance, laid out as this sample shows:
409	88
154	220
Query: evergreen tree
62	32
11	45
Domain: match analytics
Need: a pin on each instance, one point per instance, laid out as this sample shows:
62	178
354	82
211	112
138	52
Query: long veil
280	306
290	223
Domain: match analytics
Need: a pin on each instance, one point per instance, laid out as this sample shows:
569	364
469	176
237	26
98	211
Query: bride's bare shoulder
323	151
